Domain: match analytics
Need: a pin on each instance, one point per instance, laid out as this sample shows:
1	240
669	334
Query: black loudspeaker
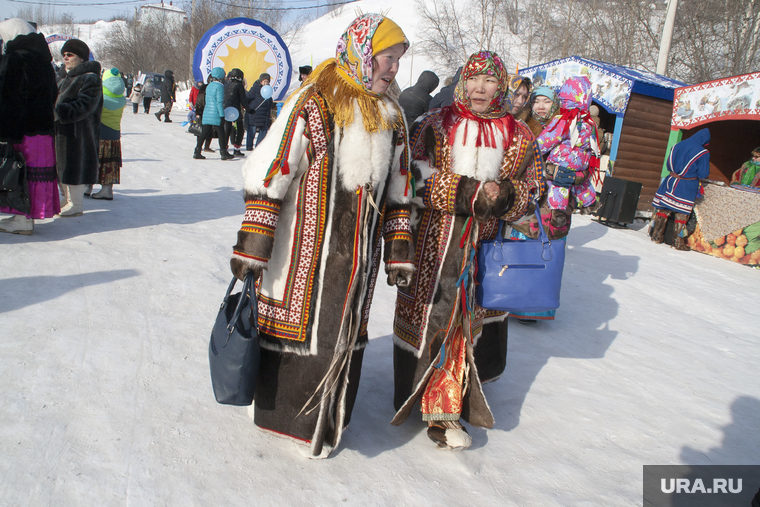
618	200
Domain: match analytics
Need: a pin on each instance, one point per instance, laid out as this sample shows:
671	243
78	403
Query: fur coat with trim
449	173
77	126
27	89
314	221
314	228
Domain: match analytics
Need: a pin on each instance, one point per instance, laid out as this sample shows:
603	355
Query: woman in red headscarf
473	164
328	182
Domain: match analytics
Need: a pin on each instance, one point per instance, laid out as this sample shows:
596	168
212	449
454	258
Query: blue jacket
689	161
214	110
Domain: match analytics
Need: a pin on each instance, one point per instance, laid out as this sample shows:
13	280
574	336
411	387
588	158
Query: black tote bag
14	191
233	352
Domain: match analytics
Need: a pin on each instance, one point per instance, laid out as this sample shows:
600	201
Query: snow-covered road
105	397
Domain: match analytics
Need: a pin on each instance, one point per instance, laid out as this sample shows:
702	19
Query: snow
106	396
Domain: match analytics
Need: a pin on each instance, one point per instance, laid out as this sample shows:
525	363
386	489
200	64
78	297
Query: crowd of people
351	148
350	168
66	123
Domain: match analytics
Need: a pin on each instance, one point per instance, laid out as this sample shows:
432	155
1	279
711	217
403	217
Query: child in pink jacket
570	138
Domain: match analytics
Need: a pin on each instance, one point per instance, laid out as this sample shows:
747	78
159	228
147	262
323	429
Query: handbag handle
248	288
546	251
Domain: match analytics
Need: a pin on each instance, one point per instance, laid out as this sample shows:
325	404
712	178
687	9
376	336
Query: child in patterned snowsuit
571	138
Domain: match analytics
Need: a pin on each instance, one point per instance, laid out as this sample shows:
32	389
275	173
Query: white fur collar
364	157
481	163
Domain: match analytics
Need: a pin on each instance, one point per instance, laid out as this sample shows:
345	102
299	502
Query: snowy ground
106	397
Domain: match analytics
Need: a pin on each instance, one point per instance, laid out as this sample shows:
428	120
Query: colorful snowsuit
571	141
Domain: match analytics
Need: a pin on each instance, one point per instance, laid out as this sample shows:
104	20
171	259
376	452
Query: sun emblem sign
248	45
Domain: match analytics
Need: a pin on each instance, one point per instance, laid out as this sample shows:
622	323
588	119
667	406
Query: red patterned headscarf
495	116
484	62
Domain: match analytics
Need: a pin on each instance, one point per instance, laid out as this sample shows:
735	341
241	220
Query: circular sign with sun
248	45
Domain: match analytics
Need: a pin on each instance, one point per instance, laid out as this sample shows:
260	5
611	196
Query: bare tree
715	38
147	46
452	30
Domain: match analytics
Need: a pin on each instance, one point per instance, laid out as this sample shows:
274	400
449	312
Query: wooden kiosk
635	105
728	217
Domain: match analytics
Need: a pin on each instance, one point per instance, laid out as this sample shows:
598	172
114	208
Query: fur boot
559	219
453	437
75	207
17	224
106	192
680	233
658	226
64	195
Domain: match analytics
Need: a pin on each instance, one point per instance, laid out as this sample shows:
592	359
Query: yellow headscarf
348	77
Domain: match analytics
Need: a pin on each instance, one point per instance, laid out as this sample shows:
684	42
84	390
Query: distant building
163	14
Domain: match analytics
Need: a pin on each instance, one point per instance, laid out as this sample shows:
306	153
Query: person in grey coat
77	124
415	100
148	94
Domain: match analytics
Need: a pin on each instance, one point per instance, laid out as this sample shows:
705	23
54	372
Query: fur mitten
240	268
505	200
471	199
400	275
482	208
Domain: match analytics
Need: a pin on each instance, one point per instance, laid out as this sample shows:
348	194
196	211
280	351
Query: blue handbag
520	275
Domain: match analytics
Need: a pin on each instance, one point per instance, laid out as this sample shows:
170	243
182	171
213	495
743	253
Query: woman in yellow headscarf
327	182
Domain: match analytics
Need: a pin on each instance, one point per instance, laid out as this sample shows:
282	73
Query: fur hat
304	70
77	47
263	76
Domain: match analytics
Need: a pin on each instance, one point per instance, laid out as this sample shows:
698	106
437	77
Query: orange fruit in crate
737	233
745	259
741	240
739	251
720	241
730	239
728	250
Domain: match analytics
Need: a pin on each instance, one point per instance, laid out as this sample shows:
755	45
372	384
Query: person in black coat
27	98
235	97
415	100
77	124
259	117
445	97
168	94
